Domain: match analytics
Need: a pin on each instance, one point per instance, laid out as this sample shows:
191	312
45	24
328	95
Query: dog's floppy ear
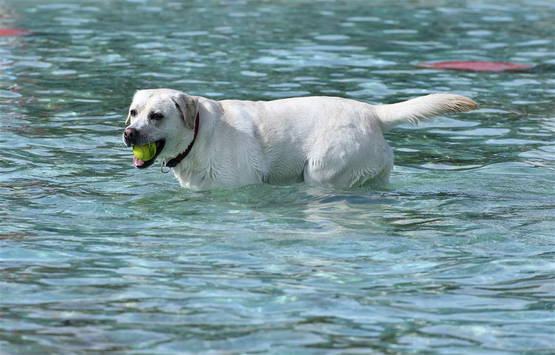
188	107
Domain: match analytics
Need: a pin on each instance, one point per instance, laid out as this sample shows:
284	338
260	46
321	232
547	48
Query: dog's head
162	116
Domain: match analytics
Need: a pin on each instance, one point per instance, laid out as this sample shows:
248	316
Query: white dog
318	140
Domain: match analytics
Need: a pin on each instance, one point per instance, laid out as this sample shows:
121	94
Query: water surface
454	256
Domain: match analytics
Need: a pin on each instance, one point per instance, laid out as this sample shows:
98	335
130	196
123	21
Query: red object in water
476	66
7	32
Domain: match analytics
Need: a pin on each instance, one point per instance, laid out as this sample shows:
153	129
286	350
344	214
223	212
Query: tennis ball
144	152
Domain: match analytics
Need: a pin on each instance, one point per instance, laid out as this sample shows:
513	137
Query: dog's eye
155	116
133	113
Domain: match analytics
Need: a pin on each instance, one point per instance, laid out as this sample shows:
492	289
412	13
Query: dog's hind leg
351	171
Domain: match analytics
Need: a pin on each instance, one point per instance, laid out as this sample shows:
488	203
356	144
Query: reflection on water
454	256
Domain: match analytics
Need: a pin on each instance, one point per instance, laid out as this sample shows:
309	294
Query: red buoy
8	32
476	66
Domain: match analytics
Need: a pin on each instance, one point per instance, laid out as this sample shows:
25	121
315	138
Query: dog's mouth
142	164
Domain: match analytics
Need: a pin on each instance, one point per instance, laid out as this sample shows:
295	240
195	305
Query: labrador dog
319	140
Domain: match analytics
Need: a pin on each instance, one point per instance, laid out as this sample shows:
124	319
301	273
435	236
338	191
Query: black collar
173	162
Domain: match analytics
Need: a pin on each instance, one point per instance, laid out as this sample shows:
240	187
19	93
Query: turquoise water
455	256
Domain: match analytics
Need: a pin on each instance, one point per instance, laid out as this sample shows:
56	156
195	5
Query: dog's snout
130	135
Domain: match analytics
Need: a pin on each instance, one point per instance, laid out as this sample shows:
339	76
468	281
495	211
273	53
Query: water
456	255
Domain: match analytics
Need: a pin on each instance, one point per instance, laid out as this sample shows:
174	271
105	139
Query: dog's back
332	140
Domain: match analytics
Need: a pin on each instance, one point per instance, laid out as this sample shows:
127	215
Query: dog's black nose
130	135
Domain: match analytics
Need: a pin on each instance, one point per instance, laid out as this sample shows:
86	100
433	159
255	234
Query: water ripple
454	256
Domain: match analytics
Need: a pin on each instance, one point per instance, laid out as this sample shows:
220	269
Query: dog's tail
420	108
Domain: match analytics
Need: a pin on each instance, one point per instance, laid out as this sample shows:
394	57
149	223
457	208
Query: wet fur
319	140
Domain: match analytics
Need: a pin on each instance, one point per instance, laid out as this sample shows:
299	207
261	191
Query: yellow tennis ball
144	152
